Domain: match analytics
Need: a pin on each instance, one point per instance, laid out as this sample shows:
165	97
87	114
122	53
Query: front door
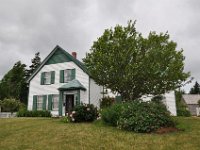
69	103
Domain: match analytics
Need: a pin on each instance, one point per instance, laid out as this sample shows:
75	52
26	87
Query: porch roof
72	85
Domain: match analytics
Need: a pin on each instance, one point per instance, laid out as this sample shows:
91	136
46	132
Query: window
67	75
55	101
39	102
47	77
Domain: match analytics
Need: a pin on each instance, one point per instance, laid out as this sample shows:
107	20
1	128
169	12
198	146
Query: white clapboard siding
35	88
169	101
95	93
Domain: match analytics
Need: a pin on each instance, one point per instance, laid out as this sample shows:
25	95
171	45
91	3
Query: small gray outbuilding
192	102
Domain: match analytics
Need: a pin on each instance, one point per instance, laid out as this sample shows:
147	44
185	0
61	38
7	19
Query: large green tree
195	89
132	65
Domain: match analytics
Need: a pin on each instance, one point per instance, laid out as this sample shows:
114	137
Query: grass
47	133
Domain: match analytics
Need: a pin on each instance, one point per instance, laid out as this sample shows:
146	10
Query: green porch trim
60	103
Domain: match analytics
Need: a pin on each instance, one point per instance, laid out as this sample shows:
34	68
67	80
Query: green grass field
43	133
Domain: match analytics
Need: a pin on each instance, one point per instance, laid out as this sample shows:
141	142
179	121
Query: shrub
144	117
83	113
39	113
111	115
65	119
10	105
182	109
106	102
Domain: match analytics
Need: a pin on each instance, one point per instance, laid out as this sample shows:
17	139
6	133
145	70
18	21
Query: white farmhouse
62	81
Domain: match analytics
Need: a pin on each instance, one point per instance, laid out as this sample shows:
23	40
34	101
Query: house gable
58	55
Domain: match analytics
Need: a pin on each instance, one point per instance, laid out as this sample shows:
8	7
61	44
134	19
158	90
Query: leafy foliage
145	117
65	119
39	113
106	102
112	114
123	60
181	107
83	113
13	84
10	105
138	116
195	89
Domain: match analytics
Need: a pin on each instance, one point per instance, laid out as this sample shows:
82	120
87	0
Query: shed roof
72	85
191	98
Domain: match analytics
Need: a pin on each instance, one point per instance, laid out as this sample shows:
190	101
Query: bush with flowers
83	113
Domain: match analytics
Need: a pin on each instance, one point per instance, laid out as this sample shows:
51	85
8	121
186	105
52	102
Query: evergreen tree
36	61
13	84
195	89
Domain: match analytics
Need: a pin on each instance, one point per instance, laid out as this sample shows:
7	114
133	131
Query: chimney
74	54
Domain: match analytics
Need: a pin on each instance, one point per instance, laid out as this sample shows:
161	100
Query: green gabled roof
58	55
72	85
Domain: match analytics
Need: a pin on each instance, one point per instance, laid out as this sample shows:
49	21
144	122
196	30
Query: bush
182	109
111	115
106	102
10	105
144	117
39	113
64	119
83	113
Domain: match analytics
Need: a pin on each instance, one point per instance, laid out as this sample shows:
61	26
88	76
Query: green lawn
41	134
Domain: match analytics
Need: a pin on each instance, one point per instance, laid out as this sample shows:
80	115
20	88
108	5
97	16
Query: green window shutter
42	78
61	76
52	77
34	102
73	74
50	102
60	103
44	102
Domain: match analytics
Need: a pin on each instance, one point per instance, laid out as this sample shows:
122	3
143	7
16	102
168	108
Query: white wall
95	93
35	88
169	101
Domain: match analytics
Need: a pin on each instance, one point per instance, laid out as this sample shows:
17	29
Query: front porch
69	96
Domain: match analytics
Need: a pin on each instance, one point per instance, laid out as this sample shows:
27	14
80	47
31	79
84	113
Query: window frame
39	101
53	102
69	73
49	76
